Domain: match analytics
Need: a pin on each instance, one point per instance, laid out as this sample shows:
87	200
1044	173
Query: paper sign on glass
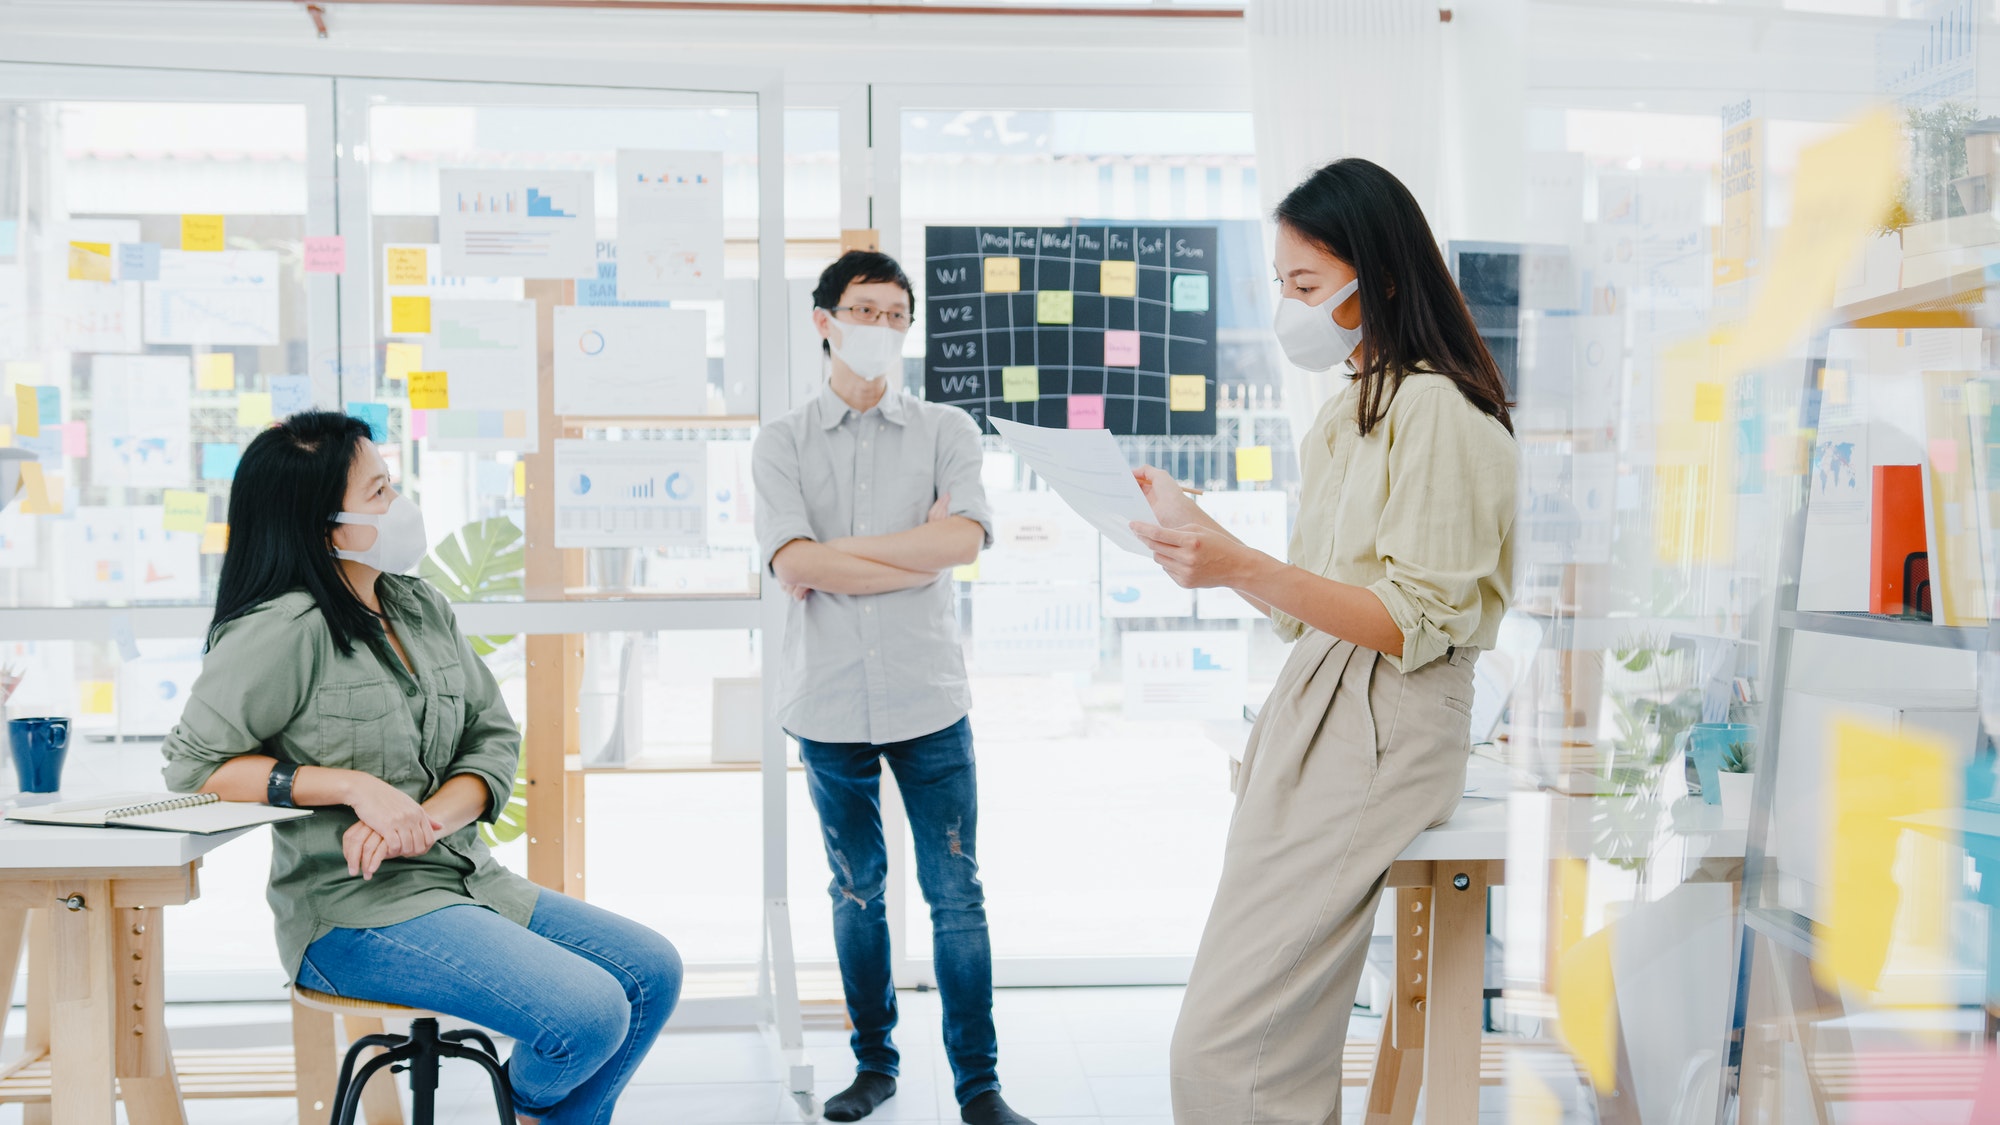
630	493
224	297
669	225
517	224
489	349
139	431
1088	470
616	361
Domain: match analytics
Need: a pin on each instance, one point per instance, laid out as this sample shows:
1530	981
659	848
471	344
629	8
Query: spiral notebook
203	814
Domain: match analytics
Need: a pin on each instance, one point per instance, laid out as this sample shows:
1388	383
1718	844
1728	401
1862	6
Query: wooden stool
419	1052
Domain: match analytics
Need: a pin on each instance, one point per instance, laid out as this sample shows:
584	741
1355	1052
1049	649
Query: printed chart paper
123	554
631	493
517	224
139	434
89	316
1137	587
213	297
1037	538
1185	674
1088	470
487	349
412	269
1034	630
669	225
621	362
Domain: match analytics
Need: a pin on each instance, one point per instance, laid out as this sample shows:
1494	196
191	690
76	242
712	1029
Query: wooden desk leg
1399	1055
316	1061
1458	986
146	1079
81	1050
41	961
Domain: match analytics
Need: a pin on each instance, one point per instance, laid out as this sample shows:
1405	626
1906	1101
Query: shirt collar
832	408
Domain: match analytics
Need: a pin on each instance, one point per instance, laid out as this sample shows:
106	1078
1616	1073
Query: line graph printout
614	361
517	224
1034	630
213	297
631	493
487	351
1074	327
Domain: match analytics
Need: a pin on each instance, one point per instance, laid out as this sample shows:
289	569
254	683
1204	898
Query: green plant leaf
480	562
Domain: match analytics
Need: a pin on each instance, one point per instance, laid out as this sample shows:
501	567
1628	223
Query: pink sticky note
1121	348
326	253
1944	454
1086	412
76	439
420	423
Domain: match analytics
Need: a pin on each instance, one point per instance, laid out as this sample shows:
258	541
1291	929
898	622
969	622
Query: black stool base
419	1052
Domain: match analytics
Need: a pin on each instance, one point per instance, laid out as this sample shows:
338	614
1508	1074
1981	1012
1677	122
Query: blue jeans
581	991
936	777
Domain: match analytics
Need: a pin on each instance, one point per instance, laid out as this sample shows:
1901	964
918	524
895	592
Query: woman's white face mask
1309	335
400	542
871	351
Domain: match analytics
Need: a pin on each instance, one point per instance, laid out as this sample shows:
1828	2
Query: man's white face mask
871	351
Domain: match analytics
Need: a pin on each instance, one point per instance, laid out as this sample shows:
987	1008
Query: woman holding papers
1400	570
334	681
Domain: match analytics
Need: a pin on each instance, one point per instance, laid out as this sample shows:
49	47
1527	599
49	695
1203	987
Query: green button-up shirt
273	683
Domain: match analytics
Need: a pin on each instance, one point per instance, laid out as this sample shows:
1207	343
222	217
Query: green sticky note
1055	306
1020	384
1191	292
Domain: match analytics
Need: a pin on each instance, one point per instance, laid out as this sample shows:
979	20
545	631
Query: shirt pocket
449	727
353	721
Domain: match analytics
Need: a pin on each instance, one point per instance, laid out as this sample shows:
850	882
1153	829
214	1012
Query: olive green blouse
273	683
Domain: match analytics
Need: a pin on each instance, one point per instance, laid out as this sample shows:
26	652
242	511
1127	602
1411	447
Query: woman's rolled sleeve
490	746
254	679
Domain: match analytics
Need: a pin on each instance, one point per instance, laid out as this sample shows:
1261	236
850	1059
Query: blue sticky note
138	261
290	394
1191	292
48	406
218	460
376	414
9	237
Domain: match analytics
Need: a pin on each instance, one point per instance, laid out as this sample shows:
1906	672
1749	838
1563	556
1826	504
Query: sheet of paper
1034	630
125	554
139	431
1136	587
89	316
732	497
1185	674
1088	470
412	269
621	362
222	297
669	225
631	493
488	350
1038	538
517	224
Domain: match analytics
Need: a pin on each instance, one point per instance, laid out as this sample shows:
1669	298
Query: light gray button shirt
875	668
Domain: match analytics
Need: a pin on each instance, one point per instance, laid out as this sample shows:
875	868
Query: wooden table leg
41	958
146	1079
1458	988
81	1047
1399	1054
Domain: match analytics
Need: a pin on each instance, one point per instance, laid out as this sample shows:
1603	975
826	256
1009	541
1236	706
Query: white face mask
1310	336
400	542
871	351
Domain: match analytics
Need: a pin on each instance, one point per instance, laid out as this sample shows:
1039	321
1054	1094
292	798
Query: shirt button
868	609
410	689
871	652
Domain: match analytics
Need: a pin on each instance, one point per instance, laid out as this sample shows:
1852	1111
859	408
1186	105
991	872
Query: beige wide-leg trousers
1348	762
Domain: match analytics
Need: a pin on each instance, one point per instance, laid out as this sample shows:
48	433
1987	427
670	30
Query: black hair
1411	312
290	483
858	267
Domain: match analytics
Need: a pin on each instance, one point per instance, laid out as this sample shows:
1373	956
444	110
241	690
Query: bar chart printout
631	493
517	224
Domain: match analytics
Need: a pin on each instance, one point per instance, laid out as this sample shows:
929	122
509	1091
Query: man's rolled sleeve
781	499
960	459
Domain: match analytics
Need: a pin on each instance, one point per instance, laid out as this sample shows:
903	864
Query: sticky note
1020	384
376	414
48	404
95	696
420	423
1190	292
76	439
215	371
36	499
1833	384
1708	402
253	409
1944	454
326	253
10	231
1086	412
90	261
429	390
1118	279
398	360
1588	1007
410	315
966	573
1253	462
520	478
185	511
1121	348
1055	306
27	411
138	261
201	232
290	394
407	265
219	458
1187	392
1003	275
214	538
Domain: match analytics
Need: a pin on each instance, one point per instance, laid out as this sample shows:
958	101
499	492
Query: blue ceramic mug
39	747
1706	745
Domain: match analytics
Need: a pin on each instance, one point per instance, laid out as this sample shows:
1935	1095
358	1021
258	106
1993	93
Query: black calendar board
1078	327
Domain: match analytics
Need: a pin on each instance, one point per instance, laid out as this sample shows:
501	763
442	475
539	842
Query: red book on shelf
1898	532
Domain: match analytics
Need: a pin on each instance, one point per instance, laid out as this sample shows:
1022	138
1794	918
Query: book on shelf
1896	549
1951	529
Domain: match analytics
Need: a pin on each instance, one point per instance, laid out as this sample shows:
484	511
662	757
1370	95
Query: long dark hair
1411	313
291	481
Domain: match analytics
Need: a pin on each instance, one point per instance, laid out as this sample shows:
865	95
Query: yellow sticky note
185	511
520	478
1187	392
1003	275
1118	279
1708	402
214	538
36	497
201	232
27	411
253	410
1020	384
1588	1007
90	261
1055	306
429	390
1833	383
967	573
398	360
215	371
95	696
410	315
407	265
1253	462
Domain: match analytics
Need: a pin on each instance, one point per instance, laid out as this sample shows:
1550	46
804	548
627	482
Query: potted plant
1734	779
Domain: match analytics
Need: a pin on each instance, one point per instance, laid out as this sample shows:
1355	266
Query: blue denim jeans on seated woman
581	991
936	776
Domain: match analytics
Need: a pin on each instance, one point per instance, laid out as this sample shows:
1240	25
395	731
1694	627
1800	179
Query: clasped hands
391	825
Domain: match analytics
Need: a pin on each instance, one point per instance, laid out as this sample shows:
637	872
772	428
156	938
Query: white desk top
24	846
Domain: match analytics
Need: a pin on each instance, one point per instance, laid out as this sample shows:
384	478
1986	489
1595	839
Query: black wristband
278	787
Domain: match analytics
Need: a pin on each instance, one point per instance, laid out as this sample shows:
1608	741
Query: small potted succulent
1734	781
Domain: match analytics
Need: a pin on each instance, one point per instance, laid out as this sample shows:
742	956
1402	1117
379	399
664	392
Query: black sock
989	1109
870	1089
